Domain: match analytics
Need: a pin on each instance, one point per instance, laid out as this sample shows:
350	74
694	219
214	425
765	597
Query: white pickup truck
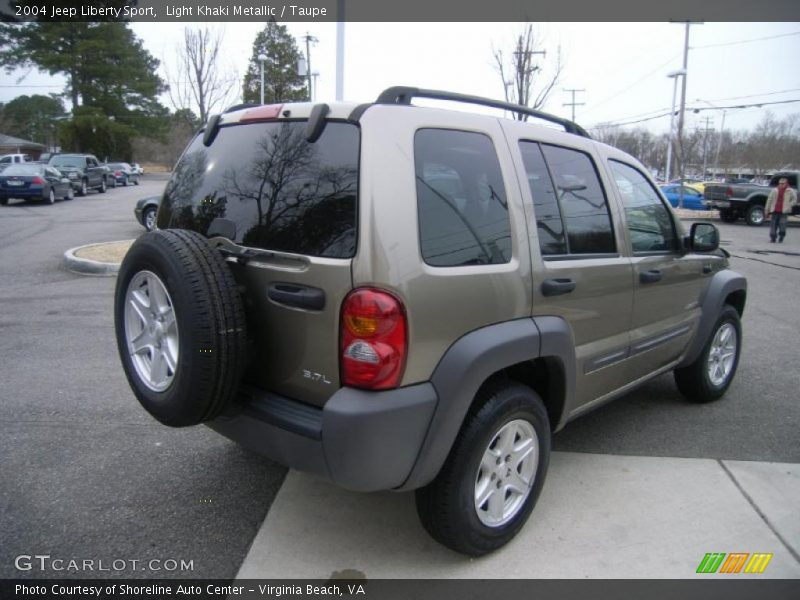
9	159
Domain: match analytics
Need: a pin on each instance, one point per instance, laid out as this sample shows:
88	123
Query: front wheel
84	189
755	215
103	187
493	476
149	218
710	375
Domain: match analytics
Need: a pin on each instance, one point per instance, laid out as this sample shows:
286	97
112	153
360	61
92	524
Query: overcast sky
622	67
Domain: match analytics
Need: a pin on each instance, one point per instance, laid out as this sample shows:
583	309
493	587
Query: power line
698	109
761	39
635	83
756	95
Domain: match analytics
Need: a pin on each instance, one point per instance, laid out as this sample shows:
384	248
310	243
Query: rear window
23	169
281	192
68	161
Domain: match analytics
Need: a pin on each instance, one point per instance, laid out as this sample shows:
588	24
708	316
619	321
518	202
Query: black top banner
400	10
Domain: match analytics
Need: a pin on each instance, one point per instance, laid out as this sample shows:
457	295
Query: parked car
146	210
122	174
33	181
83	170
692	182
397	297
137	169
8	159
692	199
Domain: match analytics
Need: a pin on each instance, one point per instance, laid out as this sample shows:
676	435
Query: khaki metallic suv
401	298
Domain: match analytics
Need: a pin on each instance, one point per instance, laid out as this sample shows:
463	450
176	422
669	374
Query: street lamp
674	76
261	59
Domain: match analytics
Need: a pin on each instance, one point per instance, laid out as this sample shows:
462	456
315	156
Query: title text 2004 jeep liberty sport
404	298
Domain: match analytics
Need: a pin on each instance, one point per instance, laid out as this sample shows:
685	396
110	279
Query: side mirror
704	237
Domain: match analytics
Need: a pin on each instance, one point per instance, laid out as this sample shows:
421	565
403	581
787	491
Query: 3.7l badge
318	377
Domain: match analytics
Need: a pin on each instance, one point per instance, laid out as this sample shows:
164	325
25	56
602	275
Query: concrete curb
87	266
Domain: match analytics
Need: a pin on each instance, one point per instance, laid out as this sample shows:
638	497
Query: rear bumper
22	193
362	441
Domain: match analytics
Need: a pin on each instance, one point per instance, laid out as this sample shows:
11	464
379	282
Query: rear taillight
117	173
729	192
37	181
373	340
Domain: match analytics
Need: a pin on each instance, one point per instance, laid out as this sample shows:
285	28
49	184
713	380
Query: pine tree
282	83
105	64
111	80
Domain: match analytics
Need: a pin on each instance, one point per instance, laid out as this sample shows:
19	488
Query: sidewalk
599	516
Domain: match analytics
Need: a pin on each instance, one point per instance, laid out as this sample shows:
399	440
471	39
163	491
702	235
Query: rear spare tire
180	327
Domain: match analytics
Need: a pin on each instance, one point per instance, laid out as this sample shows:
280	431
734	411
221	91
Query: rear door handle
650	276
557	287
299	296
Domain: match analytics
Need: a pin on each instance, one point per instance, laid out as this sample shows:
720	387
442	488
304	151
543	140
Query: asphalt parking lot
89	475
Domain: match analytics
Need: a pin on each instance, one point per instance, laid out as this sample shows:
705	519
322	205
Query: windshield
68	161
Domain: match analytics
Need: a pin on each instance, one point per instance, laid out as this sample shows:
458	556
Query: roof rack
403	95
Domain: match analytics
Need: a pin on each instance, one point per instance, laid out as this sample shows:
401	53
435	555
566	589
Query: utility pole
705	146
524	70
719	145
310	39
680	153
573	104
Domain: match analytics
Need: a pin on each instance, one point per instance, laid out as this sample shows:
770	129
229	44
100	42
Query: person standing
779	206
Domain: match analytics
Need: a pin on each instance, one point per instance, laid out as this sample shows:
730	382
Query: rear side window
281	192
549	226
461	200
571	211
583	204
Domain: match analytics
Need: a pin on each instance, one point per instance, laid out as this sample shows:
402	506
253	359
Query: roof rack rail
403	95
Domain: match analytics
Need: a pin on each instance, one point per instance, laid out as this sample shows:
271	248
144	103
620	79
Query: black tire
125	181
102	189
694	380
135	182
51	196
113	182
70	194
3	201
755	215
210	320
728	215
84	189
447	506
148	216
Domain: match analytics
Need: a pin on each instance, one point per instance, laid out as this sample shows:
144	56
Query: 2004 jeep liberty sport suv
395	297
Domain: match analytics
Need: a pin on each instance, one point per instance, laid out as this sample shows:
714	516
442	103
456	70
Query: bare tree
520	70
200	82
